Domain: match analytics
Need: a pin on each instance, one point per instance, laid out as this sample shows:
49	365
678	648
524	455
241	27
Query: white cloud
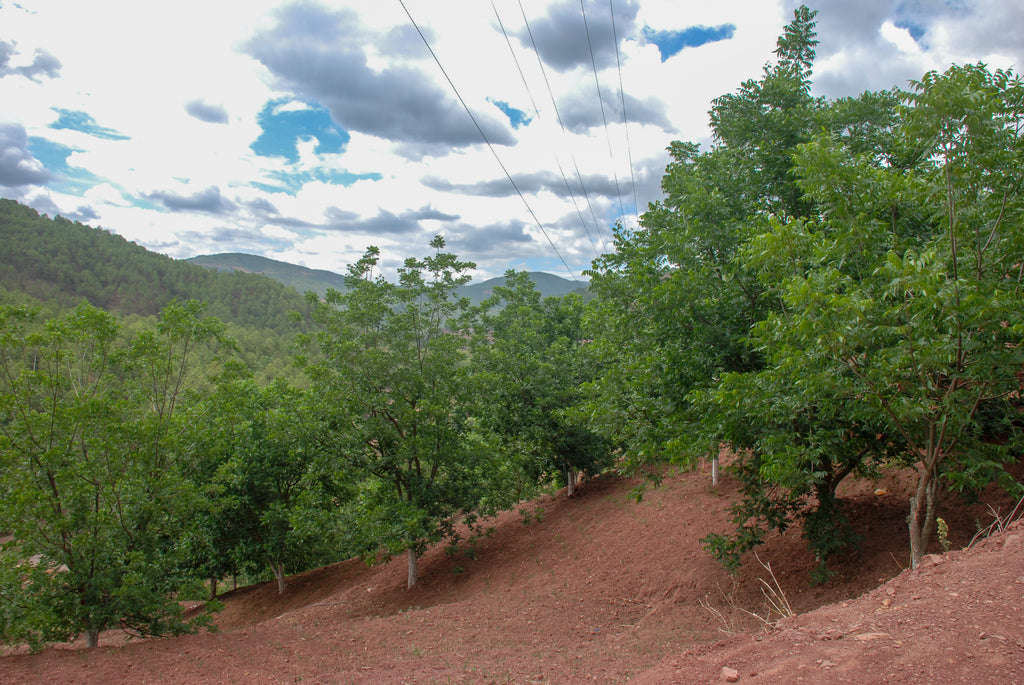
180	83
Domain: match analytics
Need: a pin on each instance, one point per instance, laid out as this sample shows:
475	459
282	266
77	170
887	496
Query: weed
777	606
531	515
999	523
775	597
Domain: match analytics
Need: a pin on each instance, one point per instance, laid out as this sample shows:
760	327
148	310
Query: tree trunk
922	515
570	477
714	470
278	568
92	638
213	589
412	567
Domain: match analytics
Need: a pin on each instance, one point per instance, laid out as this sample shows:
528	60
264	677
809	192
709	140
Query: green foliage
675	300
91	463
65	262
531	360
928	331
396	382
832	288
895	342
272	497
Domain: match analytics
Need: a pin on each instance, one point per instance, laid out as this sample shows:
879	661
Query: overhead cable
600	100
625	122
486	140
558	116
536	111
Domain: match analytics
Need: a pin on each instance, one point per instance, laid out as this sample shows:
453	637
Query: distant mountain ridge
318	280
299	277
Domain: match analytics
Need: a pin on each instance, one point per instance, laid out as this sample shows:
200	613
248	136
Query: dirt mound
594	589
957	618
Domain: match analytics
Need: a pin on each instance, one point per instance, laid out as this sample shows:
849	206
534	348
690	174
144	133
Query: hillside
303	279
298	277
602	589
64	262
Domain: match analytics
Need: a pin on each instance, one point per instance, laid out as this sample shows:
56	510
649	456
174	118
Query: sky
520	130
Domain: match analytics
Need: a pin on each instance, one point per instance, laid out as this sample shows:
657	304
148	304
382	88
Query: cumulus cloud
17	165
84	214
566	42
493	240
209	200
582	111
529	184
236	239
43	64
385	222
320	55
211	114
902	41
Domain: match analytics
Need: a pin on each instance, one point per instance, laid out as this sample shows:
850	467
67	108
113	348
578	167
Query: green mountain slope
63	262
318	280
298	277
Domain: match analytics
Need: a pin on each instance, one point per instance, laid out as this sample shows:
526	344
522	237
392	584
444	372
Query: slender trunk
922	511
412	567
92	638
922	506
278	568
714	470
213	589
570	477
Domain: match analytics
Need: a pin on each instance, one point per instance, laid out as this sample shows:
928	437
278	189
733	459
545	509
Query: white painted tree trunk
570	478
413	576
92	638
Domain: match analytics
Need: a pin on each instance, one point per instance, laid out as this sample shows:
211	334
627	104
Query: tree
91	472
396	377
272	501
928	330
532	360
675	303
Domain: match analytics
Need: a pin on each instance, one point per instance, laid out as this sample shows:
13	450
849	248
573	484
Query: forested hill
60	261
299	277
318	280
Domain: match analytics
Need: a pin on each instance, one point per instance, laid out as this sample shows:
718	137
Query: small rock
865	637
730	675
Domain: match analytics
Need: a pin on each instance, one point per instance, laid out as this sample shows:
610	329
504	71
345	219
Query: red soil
602	589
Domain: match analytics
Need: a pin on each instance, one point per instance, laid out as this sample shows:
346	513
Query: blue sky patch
72	120
284	128
292	182
672	42
516	117
54	157
916	30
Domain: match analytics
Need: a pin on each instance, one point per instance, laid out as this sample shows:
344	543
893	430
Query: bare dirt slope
602	589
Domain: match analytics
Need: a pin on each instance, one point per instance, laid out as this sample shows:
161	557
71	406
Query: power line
486	140
625	122
600	101
554	105
536	111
